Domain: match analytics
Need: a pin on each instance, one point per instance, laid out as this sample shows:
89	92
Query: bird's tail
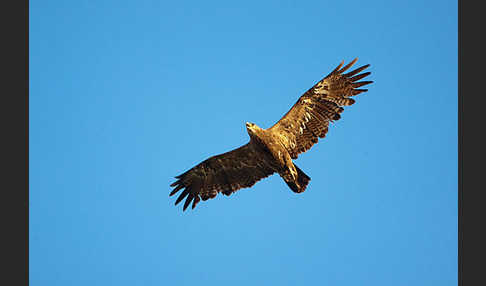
302	181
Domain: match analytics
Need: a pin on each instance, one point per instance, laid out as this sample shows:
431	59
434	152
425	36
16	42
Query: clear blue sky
124	95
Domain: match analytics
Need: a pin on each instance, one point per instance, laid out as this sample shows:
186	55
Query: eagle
272	150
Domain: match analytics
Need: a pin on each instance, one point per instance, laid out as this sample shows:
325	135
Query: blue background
124	95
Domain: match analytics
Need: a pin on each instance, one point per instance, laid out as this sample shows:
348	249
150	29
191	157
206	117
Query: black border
471	142
14	138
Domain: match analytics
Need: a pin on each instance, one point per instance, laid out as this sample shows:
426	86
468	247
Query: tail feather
302	181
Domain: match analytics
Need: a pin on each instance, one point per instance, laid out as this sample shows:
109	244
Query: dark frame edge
27	83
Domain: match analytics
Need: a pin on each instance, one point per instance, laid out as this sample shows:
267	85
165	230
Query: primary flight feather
272	150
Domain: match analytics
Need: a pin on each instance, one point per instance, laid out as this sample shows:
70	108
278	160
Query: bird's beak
247	124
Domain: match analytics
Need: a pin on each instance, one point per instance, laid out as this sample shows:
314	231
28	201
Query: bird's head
252	128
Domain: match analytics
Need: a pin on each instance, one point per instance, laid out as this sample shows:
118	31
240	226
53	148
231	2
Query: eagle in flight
271	150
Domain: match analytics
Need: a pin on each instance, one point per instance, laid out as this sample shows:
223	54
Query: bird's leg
289	165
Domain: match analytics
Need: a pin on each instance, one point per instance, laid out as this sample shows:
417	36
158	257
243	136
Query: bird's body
271	150
272	145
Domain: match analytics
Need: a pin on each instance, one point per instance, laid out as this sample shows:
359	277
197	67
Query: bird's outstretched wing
226	173
309	118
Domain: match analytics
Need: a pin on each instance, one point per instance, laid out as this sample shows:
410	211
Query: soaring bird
272	150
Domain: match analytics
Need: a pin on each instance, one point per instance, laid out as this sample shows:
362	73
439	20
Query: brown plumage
272	150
